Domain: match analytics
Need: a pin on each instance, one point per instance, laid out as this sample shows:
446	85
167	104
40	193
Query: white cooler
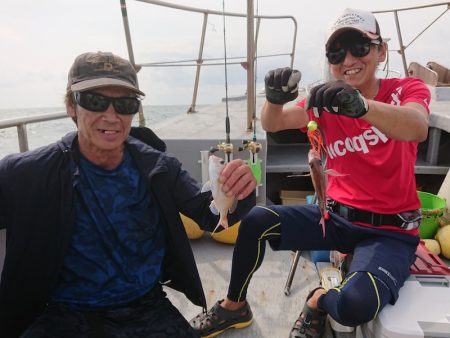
422	310
423	307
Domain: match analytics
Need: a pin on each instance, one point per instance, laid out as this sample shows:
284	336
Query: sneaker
219	319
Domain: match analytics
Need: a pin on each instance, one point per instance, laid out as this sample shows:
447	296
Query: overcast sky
40	39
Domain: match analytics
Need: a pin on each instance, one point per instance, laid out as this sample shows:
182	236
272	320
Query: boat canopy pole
199	62
126	27
252	145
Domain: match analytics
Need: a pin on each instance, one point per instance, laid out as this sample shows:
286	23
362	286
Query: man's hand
282	85
237	179
337	97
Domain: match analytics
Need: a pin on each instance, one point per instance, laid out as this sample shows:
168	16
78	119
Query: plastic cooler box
423	308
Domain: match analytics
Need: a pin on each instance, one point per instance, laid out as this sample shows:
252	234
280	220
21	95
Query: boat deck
274	312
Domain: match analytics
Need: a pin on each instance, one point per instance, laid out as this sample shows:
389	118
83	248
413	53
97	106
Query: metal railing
21	125
402	46
252	40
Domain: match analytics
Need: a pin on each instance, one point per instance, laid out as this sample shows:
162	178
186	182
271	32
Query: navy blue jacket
37	199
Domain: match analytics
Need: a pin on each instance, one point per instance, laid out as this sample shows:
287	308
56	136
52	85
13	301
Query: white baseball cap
354	19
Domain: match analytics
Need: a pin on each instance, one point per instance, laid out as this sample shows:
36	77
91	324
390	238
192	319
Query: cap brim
102	82
339	31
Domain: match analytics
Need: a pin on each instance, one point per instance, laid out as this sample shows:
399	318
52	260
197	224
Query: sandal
310	323
219	319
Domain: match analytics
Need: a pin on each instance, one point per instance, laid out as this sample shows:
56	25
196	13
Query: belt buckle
412	219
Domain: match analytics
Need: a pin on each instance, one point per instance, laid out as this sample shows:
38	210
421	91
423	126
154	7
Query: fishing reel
252	146
227	148
255	164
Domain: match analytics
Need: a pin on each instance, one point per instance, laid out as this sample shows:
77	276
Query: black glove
337	97
282	85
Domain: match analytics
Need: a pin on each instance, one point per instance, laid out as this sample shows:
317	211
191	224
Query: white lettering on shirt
359	143
395	96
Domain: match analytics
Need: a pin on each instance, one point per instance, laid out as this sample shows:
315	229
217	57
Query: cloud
40	39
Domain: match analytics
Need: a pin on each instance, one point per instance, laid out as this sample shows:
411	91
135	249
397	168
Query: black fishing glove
337	97
282	85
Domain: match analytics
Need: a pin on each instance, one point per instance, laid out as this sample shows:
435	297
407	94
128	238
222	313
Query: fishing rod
227	146
251	145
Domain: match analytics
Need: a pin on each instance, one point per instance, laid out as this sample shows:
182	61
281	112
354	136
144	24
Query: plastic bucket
432	206
227	236
193	230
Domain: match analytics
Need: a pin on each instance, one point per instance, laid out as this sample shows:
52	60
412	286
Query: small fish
319	181
320	185
221	204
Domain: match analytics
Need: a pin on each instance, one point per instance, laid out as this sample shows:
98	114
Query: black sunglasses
356	49
99	103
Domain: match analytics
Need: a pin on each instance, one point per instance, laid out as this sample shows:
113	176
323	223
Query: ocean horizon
43	133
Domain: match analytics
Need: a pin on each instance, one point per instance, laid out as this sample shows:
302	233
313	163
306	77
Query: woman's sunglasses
356	49
99	103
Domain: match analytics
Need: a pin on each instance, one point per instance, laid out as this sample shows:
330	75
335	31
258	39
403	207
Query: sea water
43	133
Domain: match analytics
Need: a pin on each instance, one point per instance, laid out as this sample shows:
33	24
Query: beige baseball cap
101	69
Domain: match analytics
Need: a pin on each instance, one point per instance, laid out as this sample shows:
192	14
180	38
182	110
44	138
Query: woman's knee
354	308
257	222
358	301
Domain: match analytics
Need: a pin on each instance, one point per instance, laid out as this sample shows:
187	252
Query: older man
92	221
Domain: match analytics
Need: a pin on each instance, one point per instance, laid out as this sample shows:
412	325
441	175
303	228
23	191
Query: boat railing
246	61
21	122
402	45
21	125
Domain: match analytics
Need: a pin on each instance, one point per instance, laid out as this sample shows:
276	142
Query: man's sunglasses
356	49
99	103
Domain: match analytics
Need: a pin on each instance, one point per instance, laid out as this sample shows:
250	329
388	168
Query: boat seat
443	73
147	136
427	75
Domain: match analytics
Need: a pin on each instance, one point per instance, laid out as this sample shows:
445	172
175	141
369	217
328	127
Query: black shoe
219	319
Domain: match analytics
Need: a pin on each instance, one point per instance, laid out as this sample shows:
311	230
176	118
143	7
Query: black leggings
358	299
250	248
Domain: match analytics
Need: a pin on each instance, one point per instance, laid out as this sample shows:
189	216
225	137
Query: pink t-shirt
379	170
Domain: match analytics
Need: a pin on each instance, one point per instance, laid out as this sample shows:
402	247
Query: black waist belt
363	216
